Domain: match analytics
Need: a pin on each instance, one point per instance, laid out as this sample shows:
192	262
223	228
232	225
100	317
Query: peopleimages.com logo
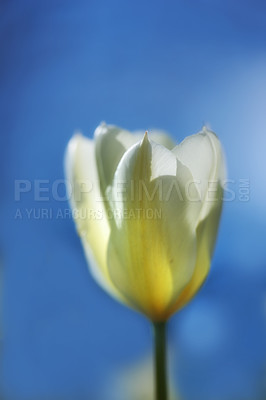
45	194
62	190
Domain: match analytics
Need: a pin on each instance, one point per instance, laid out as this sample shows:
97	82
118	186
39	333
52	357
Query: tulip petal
151	259
88	208
210	212
203	155
206	237
111	144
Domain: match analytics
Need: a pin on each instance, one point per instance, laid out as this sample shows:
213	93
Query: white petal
209	217
87	206
203	155
206	237
151	260
111	144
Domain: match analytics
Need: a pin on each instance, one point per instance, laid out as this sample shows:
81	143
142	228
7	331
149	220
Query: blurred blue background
173	65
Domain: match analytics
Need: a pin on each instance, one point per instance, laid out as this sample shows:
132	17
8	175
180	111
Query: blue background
174	65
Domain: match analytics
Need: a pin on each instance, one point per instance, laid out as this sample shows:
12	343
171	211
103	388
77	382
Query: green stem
160	361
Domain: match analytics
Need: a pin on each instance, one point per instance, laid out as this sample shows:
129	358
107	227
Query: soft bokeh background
174	65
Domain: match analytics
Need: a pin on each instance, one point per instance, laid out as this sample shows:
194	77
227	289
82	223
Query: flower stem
160	361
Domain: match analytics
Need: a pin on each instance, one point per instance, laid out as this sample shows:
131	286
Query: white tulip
147	213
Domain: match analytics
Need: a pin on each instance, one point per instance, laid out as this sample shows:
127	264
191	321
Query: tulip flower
147	212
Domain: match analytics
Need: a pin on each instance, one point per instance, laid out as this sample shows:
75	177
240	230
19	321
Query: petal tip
206	128
101	129
145	139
